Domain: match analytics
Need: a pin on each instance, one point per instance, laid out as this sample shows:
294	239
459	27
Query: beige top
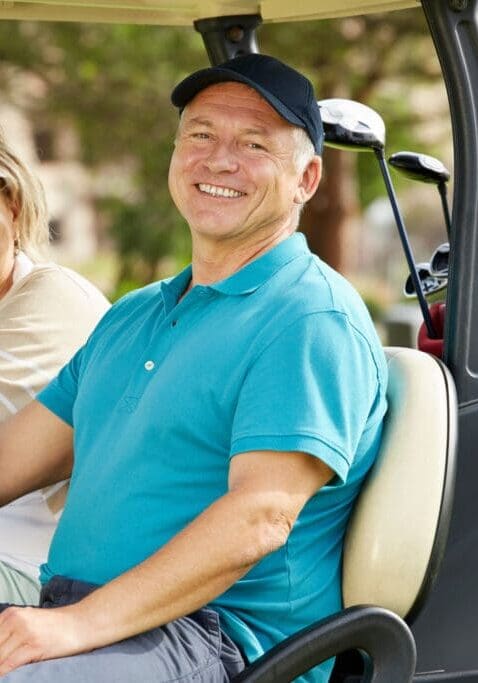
44	318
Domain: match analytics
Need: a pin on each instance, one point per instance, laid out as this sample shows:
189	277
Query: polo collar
247	279
173	287
258	272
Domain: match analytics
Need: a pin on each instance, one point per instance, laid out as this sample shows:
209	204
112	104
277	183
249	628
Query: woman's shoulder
55	286
51	277
46	316
50	299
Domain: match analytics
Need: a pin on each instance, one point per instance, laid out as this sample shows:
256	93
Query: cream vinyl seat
395	538
397	532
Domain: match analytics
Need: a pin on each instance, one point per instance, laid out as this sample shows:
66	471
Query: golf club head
430	283
420	167
351	125
439	260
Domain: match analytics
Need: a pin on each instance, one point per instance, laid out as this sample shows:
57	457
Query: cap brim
184	92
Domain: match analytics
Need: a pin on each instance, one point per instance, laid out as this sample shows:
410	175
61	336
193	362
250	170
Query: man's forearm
199	564
267	491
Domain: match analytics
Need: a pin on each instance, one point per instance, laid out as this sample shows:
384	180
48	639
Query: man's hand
31	634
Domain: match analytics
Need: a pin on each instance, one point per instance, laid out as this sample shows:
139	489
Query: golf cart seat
395	538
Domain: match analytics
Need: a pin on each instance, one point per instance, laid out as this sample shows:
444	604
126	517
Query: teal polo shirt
280	356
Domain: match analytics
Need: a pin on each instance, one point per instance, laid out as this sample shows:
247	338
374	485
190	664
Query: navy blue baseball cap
289	92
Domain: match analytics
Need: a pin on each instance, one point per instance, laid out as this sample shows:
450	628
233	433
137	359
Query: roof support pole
443	631
229	37
453	25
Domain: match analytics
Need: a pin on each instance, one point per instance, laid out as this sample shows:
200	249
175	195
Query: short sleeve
60	394
311	389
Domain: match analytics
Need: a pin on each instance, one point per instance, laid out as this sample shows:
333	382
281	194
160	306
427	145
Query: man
221	422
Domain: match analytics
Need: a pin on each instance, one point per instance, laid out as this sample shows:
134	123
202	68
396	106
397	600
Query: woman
46	314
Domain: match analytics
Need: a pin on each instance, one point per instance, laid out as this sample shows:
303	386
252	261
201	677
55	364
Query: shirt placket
175	321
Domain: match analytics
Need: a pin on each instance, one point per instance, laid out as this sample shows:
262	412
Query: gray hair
20	187
304	150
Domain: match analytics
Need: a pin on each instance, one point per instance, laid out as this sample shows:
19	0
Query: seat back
396	536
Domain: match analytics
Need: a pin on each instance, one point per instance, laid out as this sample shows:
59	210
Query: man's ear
309	181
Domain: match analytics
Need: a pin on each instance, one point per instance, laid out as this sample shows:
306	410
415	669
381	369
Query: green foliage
113	84
379	60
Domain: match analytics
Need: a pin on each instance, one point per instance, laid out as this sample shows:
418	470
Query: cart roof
177	12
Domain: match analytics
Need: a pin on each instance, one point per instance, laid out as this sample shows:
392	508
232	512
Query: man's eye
255	145
201	136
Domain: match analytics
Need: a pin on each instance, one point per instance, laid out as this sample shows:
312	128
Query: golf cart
442	605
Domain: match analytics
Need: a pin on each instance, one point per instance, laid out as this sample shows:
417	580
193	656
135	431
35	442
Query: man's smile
218	191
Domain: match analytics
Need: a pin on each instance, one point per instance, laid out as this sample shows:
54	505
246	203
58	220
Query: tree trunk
330	220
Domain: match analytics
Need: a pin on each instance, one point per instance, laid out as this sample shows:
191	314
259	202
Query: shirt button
174	323
149	365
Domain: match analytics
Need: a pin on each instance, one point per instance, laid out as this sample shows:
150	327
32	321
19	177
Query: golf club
354	126
425	169
430	283
351	125
439	260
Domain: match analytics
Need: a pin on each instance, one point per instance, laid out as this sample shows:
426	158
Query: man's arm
36	449
267	490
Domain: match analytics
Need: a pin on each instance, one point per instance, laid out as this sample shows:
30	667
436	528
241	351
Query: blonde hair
22	189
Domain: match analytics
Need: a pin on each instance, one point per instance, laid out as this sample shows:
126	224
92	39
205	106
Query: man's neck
212	262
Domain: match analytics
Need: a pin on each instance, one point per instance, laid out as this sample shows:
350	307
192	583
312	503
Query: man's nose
222	159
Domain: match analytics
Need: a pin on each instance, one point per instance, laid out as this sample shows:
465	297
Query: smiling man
217	426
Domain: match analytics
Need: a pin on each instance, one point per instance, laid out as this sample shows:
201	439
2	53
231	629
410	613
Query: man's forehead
228	87
236	97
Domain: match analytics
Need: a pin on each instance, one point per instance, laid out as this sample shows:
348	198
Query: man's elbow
269	527
262	522
275	531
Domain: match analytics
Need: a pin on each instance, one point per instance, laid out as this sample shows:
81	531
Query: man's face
232	173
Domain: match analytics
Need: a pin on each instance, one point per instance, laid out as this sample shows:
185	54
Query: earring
16	246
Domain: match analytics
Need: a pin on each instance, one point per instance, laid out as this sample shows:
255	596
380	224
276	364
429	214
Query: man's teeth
216	191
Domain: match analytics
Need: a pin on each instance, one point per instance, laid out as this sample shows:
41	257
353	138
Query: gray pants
192	648
17	587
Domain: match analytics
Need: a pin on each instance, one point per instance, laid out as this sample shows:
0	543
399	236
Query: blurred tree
377	60
114	82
